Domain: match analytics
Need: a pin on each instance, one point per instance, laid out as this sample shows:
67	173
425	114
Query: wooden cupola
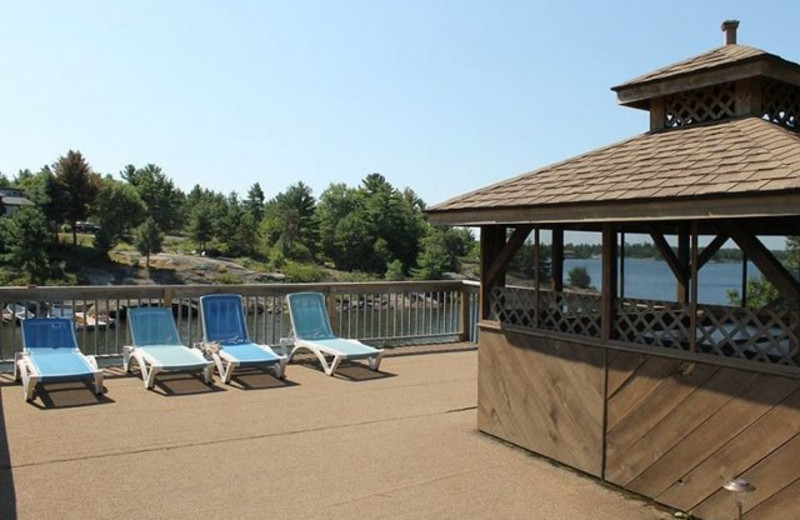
727	82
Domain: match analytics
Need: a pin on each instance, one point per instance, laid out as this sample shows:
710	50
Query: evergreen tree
164	201
255	202
26	244
119	209
148	239
78	184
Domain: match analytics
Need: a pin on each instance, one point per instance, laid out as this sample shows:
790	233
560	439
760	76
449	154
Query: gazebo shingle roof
736	156
719	57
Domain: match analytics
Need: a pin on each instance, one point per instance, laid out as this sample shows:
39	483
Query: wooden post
683	260
557	261
537	282
694	290
332	315
493	238
744	280
464	334
622	265
167	298
609	300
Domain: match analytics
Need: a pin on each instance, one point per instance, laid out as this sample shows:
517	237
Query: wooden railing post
609	302
464	334
332	314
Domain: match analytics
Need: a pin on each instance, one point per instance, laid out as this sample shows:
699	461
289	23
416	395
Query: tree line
374	228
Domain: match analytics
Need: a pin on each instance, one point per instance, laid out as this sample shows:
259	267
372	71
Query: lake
652	279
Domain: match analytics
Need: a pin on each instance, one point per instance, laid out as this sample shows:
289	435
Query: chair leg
280	368
232	365
375	362
334	365
98	383
208	374
150	380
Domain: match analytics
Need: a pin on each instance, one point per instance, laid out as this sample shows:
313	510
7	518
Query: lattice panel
762	335
648	322
781	103
571	313
513	306
698	106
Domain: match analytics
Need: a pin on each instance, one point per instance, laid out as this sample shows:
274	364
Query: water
652	279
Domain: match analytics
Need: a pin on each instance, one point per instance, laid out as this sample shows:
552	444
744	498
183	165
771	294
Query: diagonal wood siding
528	389
672	430
678	431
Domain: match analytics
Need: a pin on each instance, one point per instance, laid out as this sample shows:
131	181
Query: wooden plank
710	250
621	366
677	424
777	506
770	475
645	380
667	397
712	434
763	436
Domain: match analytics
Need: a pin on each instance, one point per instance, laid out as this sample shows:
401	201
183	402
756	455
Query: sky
440	96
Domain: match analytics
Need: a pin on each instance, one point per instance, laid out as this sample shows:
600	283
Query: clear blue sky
441	96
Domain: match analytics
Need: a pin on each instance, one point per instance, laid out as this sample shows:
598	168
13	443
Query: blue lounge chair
312	330
50	354
223	323
157	346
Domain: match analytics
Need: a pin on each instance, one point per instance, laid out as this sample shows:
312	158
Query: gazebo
669	399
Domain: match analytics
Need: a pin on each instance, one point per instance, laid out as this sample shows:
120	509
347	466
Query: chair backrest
153	326
223	319
309	316
47	334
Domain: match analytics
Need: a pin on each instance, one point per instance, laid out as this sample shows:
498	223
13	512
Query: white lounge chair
311	329
50	354
224	324
157	346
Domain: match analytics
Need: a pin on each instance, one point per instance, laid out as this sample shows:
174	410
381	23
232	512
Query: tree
78	184
579	277
201	225
27	242
119	209
290	223
148	239
254	203
163	200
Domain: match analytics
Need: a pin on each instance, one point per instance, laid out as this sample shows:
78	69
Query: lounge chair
50	354
312	330
157	346
224	324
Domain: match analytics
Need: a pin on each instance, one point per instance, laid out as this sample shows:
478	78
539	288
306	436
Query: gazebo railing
568	312
763	335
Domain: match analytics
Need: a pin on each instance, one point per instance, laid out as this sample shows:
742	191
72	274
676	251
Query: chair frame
150	366
320	351
228	363
26	371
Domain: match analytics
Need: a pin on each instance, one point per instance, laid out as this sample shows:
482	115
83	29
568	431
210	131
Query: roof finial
730	26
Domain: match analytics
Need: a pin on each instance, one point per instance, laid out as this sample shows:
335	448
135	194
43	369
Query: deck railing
757	335
382	313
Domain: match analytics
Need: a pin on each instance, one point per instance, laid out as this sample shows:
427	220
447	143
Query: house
11	200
